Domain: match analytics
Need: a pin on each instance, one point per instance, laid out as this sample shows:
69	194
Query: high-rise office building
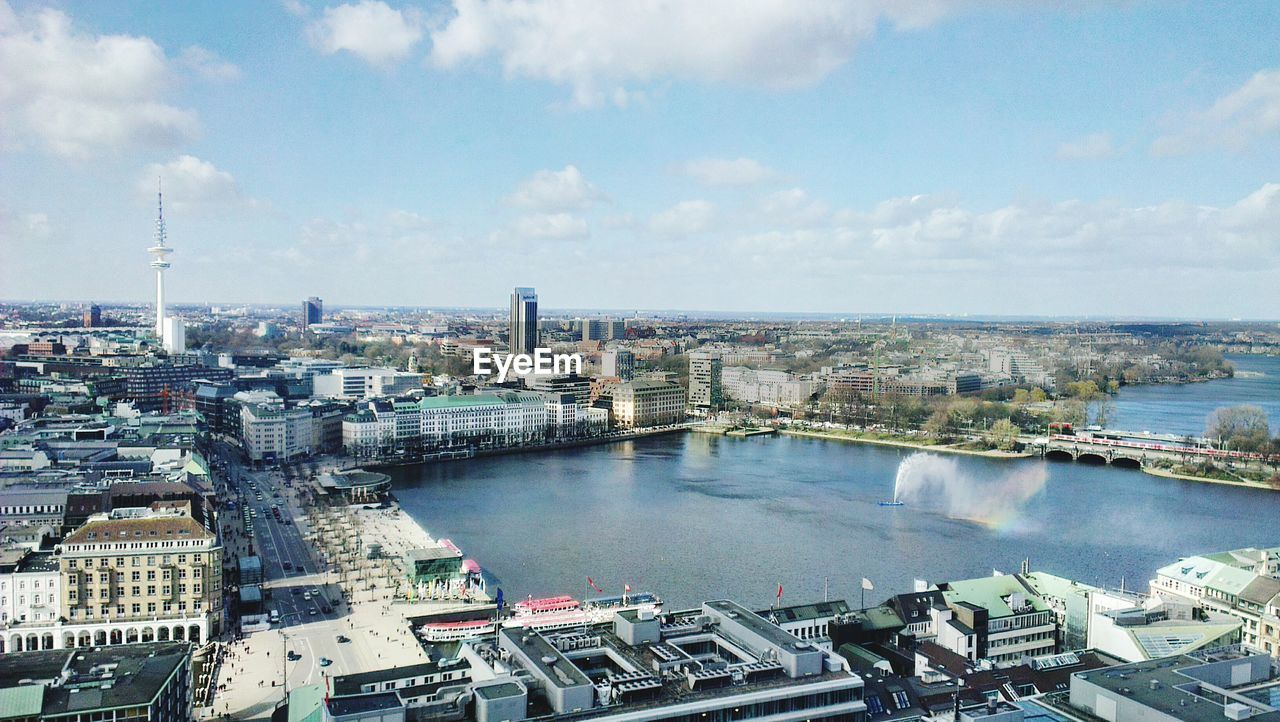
524	321
618	362
601	329
312	311
704	381
93	316
175	335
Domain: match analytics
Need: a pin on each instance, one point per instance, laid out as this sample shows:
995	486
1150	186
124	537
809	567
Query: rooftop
1183	688
125	675
364	703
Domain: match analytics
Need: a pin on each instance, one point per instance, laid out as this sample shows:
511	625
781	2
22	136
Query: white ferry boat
457	631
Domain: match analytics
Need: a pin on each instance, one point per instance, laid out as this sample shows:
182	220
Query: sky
906	156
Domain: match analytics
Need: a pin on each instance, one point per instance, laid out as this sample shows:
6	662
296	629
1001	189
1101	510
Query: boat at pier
438	632
563	611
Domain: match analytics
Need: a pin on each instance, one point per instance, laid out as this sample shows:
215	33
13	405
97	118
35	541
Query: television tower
159	262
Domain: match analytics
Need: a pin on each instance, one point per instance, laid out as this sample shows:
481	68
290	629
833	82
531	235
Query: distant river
1184	408
695	517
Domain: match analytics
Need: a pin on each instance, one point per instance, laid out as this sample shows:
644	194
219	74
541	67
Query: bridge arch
1058	455
1088	457
1127	462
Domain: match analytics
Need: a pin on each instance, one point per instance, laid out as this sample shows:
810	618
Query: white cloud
296	8
193	184
556	190
684	218
404	239
371	30
597	48
1234	121
551	226
924	234
1091	147
727	172
208	65
77	92
793	207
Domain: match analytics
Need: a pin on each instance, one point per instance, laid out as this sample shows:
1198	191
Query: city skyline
928	159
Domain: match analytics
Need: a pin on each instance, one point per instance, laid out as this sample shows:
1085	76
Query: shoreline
940	448
1166	474
554	446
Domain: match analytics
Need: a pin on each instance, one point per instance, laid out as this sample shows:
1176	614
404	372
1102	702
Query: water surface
695	517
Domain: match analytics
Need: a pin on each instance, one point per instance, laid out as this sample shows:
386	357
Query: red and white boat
563	612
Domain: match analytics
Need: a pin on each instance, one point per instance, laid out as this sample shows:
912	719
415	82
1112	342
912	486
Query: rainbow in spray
936	484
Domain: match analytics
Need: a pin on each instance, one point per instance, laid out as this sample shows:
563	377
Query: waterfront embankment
1170	474
856	438
612	438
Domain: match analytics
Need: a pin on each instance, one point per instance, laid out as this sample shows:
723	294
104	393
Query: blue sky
911	157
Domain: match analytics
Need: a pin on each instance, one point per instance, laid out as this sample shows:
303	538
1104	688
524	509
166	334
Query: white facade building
365	383
175	335
502	419
29	587
274	434
767	387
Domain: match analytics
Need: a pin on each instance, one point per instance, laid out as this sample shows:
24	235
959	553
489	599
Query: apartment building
29	589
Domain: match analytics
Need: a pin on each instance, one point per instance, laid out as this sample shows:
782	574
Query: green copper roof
22	701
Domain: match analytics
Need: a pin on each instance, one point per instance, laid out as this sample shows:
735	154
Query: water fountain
935	483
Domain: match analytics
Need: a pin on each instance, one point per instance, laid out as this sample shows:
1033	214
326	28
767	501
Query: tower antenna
159	261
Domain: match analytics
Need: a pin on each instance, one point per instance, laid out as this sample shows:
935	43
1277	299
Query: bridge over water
1135	454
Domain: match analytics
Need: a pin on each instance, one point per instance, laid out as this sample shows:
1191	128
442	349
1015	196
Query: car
313	612
327	609
306	596
288	566
293	656
295	590
343	639
315	591
325	661
288	522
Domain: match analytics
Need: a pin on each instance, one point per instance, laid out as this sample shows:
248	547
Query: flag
779	591
626	588
867	585
592	584
498	599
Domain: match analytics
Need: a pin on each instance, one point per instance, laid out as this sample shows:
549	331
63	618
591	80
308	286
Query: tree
1003	435
1084	390
1243	428
936	426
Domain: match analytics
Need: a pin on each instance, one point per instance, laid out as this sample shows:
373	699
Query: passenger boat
456	631
563	612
